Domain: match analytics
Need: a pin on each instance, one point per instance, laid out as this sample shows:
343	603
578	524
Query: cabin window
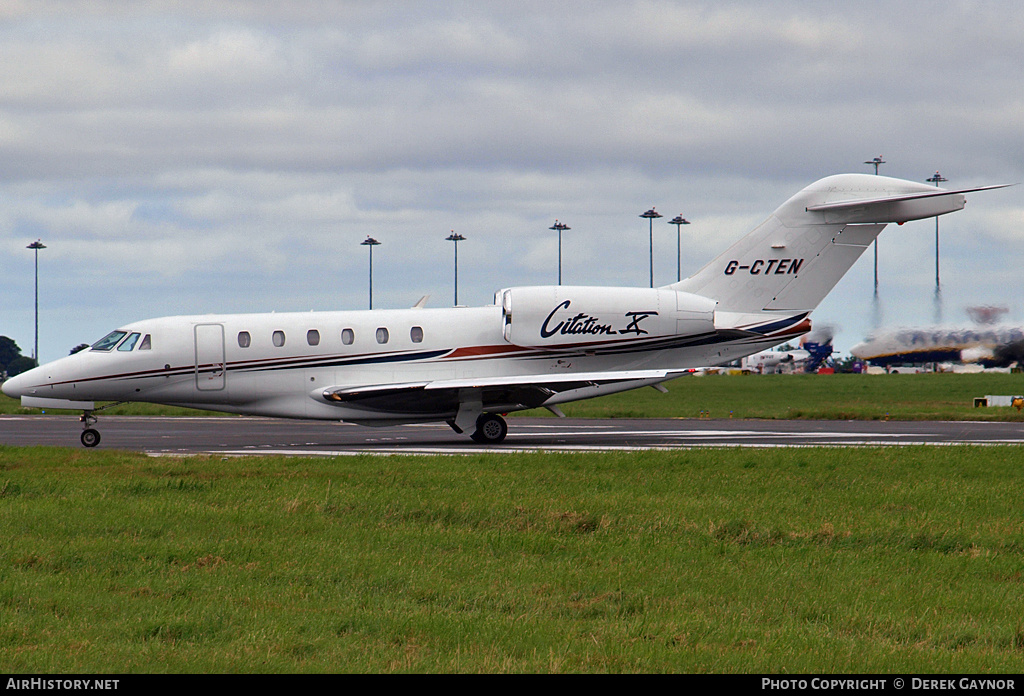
279	338
416	334
146	343
313	337
244	339
129	343
108	342
347	336
382	335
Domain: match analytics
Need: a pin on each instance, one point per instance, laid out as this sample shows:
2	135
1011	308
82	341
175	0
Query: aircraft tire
490	429
90	437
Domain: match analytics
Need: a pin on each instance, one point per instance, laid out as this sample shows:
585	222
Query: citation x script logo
766	267
584	324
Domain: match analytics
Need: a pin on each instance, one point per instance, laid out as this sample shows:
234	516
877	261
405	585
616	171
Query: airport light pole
36	246
371	243
455	239
651	215
876	161
678	221
559	226
936	179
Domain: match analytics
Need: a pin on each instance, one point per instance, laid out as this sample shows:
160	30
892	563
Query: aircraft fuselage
279	364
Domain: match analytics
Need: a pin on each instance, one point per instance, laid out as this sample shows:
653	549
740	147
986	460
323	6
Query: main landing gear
490	429
485	428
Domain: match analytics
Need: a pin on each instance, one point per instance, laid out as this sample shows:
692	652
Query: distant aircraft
770	360
535	346
935	344
820	350
815	349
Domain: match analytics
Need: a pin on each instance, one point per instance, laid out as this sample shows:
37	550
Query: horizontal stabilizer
899	208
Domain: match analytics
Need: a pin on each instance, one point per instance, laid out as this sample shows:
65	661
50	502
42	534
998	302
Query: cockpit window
129	343
108	342
146	344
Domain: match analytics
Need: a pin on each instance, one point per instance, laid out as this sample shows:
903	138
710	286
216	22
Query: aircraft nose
14	387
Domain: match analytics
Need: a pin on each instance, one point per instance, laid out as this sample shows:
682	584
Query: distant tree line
12	362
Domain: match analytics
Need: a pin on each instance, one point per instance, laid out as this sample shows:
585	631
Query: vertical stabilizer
794	258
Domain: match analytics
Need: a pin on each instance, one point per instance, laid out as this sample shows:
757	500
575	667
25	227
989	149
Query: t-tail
784	268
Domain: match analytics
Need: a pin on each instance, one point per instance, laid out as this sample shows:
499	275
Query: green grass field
738	560
937	396
730	561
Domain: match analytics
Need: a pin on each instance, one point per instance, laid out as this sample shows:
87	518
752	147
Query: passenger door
211	365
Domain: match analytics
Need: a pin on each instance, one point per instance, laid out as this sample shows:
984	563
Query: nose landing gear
91	436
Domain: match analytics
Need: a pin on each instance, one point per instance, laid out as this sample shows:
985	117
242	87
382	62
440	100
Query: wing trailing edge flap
438	396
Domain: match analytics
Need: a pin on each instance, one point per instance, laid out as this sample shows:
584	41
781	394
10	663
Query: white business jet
535	346
769	360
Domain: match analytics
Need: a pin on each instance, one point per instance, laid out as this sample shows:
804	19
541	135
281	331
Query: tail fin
795	258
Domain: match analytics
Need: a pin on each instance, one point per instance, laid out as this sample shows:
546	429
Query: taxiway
244	435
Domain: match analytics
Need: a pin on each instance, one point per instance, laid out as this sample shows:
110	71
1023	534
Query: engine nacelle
557	316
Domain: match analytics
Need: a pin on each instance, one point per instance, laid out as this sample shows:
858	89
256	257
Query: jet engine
564	316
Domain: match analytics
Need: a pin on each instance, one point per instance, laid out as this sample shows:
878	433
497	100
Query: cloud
231	156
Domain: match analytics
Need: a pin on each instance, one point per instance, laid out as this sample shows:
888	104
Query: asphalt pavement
238	435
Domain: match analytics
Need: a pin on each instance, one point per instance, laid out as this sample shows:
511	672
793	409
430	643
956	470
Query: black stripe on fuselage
336	361
754	335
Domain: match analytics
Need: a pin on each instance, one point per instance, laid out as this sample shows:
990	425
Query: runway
248	436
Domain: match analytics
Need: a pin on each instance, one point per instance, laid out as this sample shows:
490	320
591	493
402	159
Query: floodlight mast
875	161
36	246
371	243
936	179
679	221
559	226
456	238
651	215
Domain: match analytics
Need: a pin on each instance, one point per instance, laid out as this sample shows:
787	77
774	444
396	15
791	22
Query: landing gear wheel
90	437
490	429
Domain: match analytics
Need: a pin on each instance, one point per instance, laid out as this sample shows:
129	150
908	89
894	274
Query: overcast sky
187	157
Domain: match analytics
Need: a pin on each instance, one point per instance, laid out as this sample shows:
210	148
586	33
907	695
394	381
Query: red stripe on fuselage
482	351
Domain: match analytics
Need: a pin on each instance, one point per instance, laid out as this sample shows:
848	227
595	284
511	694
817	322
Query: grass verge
934	396
812	560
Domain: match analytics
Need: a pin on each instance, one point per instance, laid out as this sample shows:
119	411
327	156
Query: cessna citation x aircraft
535	346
